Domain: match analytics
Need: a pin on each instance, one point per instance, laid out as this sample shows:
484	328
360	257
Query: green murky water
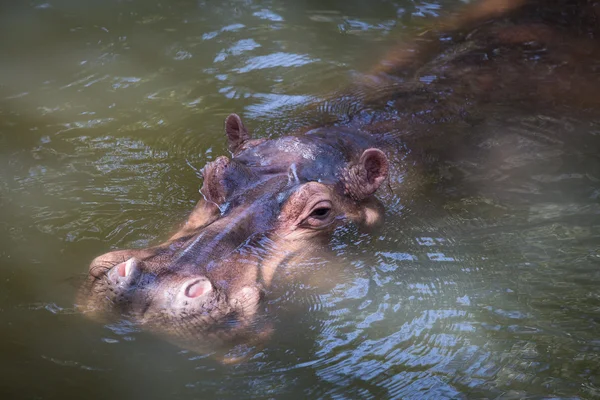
485	285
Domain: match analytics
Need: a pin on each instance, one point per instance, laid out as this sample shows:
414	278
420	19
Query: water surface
481	284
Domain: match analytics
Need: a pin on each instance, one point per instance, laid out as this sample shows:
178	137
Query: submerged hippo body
280	198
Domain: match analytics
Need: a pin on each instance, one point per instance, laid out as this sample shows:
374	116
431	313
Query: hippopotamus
286	194
276	199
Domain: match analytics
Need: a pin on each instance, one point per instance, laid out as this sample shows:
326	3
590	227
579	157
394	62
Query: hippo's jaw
289	193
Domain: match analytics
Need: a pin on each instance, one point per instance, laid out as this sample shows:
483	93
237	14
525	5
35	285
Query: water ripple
279	59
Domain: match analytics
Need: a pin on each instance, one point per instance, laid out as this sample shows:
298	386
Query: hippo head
271	201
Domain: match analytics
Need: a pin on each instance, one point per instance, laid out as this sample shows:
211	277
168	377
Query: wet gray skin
286	194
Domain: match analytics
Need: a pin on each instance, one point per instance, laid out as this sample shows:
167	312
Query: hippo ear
236	132
362	179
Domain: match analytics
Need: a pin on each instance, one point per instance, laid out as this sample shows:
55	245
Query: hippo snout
166	300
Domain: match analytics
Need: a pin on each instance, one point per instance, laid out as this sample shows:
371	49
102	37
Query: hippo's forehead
313	157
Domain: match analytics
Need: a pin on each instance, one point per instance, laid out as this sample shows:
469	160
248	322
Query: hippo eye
320	215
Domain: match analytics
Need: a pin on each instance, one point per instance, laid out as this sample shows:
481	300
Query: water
482	283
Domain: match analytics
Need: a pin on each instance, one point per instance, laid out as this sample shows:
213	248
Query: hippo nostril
197	288
125	273
124	269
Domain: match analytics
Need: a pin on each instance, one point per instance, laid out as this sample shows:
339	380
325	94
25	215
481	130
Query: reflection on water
483	284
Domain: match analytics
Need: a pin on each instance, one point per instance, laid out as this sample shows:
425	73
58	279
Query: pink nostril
122	269
198	288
